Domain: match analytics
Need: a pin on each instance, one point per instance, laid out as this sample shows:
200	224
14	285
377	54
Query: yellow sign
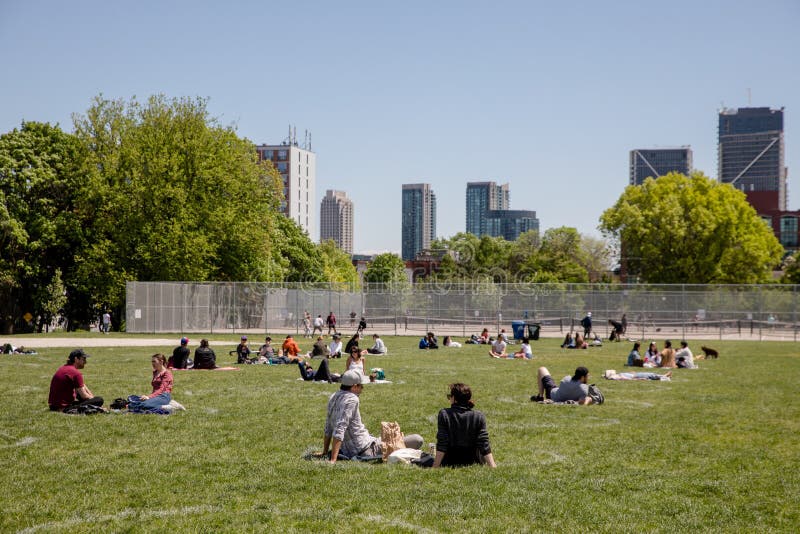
27	317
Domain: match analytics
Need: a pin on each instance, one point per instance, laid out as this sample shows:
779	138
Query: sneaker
537	398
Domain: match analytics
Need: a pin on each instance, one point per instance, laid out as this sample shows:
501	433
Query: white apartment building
298	168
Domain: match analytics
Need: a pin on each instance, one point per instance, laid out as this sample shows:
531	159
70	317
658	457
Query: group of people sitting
461	435
70	394
499	345
667	358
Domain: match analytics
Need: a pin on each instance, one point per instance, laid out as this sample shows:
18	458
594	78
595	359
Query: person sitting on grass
320	349
267	351
290	349
353	342
652	357
569	341
461	435
356	360
335	348
574	388
684	357
484	337
204	357
378	347
668	355
524	350
344	432
180	354
502	335
162	387
242	351
67	388
428	342
634	358
498	349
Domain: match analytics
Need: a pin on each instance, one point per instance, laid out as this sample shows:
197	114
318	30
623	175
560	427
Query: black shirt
462	436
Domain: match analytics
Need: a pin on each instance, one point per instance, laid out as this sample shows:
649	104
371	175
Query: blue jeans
152	403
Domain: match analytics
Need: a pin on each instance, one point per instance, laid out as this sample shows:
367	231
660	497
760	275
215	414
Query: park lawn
715	449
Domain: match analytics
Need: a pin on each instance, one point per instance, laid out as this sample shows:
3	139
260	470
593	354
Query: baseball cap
244	338
184	341
353	377
77	353
589	314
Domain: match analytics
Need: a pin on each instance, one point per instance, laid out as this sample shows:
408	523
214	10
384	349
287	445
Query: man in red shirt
67	388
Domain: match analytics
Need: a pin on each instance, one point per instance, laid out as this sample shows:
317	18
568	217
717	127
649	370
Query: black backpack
596	395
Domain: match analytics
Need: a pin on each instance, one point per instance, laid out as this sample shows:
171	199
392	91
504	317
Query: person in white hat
344	431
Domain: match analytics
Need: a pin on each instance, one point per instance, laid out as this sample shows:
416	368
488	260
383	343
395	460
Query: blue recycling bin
519	329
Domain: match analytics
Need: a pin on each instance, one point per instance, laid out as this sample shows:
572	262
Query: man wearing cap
180	354
242	351
574	388
344	431
67	388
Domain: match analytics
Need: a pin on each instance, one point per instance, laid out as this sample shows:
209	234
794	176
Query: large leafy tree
386	268
679	229
337	265
172	195
39	228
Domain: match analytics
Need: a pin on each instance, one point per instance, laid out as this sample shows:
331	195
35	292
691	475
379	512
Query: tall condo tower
481	198
336	219
751	155
655	162
419	219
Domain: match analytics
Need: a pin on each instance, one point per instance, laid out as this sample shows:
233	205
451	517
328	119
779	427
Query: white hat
353	377
588	314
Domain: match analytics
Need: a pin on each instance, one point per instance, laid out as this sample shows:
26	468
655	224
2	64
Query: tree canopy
679	229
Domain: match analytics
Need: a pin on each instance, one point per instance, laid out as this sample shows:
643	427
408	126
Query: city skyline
538	95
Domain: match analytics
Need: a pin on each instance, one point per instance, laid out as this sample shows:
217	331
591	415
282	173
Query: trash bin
533	330
519	329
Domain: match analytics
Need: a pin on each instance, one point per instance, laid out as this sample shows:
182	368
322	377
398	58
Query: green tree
679	229
173	195
387	269
337	265
39	227
561	257
791	269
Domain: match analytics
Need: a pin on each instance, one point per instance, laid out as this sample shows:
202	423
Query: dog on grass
708	352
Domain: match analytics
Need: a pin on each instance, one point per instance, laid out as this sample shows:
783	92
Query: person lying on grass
461	435
611	374
575	388
344	432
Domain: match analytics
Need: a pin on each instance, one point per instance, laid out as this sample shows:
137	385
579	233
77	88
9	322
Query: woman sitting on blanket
162	387
634	358
652	358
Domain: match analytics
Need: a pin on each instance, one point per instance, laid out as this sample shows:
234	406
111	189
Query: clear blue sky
548	96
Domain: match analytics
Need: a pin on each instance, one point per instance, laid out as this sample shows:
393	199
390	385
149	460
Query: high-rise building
481	198
751	155
336	219
509	224
298	168
655	162
419	219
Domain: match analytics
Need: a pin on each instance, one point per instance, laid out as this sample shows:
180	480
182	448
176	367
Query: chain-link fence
751	311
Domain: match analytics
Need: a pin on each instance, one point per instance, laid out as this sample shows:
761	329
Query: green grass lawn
715	449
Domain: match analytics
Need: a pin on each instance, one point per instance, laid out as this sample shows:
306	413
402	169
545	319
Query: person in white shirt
524	350
335	348
379	347
498	349
684	357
